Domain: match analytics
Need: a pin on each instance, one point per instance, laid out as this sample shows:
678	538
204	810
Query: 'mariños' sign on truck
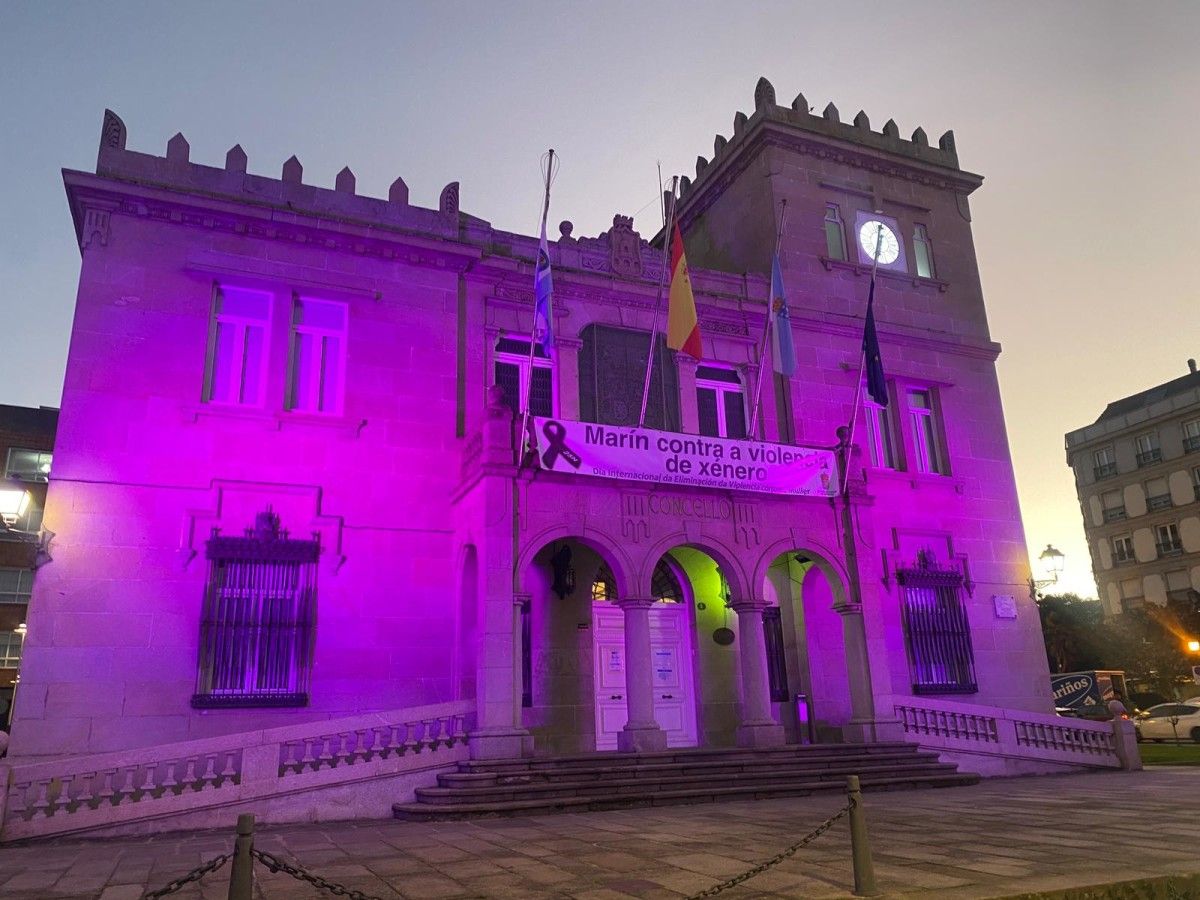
664	457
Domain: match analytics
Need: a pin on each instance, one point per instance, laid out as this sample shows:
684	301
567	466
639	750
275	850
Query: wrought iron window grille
258	623
936	631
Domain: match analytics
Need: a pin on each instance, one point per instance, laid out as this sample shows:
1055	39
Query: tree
1072	629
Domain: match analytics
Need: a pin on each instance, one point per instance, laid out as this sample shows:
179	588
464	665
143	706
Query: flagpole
527	388
762	351
862	363
670	220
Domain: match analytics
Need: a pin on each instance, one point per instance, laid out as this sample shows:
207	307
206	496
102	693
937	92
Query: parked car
1155	724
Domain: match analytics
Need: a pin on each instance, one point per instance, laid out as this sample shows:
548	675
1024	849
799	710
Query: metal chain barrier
195	875
275	864
778	857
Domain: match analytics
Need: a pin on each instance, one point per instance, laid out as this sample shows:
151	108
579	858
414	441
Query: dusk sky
1081	117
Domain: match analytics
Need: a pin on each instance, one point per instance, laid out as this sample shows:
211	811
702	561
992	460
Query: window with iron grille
1166	539
936	632
612	372
1122	548
511	372
776	661
1104	463
258	625
1148	451
720	402
1191	436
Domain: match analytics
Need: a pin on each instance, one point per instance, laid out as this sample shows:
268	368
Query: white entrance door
671	663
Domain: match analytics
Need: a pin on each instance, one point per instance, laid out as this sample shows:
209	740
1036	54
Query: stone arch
607	549
822	556
725	558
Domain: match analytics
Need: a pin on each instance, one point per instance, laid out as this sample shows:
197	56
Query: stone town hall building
284	486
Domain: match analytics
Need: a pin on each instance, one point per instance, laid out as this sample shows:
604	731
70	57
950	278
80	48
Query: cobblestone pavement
1001	837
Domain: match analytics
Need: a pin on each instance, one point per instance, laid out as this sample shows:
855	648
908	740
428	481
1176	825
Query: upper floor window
1114	505
318	356
1166	539
1122	548
1158	495
879	435
923	252
1104	463
937	634
1191	436
28	465
1147	449
835	232
237	354
930	455
612	372
1179	584
511	372
15	585
721	402
10	649
258	623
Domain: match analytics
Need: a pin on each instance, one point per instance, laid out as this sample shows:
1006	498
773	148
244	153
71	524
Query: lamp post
1051	561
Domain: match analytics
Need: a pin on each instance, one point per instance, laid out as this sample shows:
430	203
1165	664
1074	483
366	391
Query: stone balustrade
990	740
116	789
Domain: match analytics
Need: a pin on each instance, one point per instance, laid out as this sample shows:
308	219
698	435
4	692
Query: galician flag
683	328
783	353
543	290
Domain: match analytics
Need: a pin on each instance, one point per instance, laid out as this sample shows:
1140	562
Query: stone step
713	793
682	754
660	784
706	766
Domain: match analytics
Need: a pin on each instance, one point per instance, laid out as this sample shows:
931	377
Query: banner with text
663	457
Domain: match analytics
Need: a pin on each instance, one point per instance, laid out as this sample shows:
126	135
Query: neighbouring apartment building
285	486
26	452
1137	473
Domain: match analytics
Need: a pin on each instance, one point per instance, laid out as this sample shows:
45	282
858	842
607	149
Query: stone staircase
621	780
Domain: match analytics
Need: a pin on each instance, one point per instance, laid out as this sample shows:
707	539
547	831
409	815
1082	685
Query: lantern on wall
563	572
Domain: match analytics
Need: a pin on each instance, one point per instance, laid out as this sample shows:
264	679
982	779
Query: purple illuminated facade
284	484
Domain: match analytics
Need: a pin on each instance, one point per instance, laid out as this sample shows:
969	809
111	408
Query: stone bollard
860	842
1125	738
241	878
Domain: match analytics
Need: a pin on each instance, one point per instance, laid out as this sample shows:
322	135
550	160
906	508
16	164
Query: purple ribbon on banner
556	434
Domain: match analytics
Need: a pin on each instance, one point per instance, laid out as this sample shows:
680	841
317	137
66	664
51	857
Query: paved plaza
1002	837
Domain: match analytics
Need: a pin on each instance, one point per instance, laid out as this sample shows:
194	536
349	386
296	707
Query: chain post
860	841
241	878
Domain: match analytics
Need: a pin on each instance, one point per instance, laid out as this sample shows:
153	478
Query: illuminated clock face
875	233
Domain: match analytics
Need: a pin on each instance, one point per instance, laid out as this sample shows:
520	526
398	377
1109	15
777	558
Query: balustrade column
758	727
642	731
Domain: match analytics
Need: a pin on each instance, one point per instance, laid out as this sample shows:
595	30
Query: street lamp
1193	646
1051	561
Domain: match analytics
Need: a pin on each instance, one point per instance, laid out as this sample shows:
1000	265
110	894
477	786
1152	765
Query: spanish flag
683	328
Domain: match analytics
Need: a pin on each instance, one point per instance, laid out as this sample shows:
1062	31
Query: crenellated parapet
176	171
800	119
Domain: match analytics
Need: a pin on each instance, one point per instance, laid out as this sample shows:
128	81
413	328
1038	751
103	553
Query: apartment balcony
1108	470
1165	550
1162	501
1149	457
1116	514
